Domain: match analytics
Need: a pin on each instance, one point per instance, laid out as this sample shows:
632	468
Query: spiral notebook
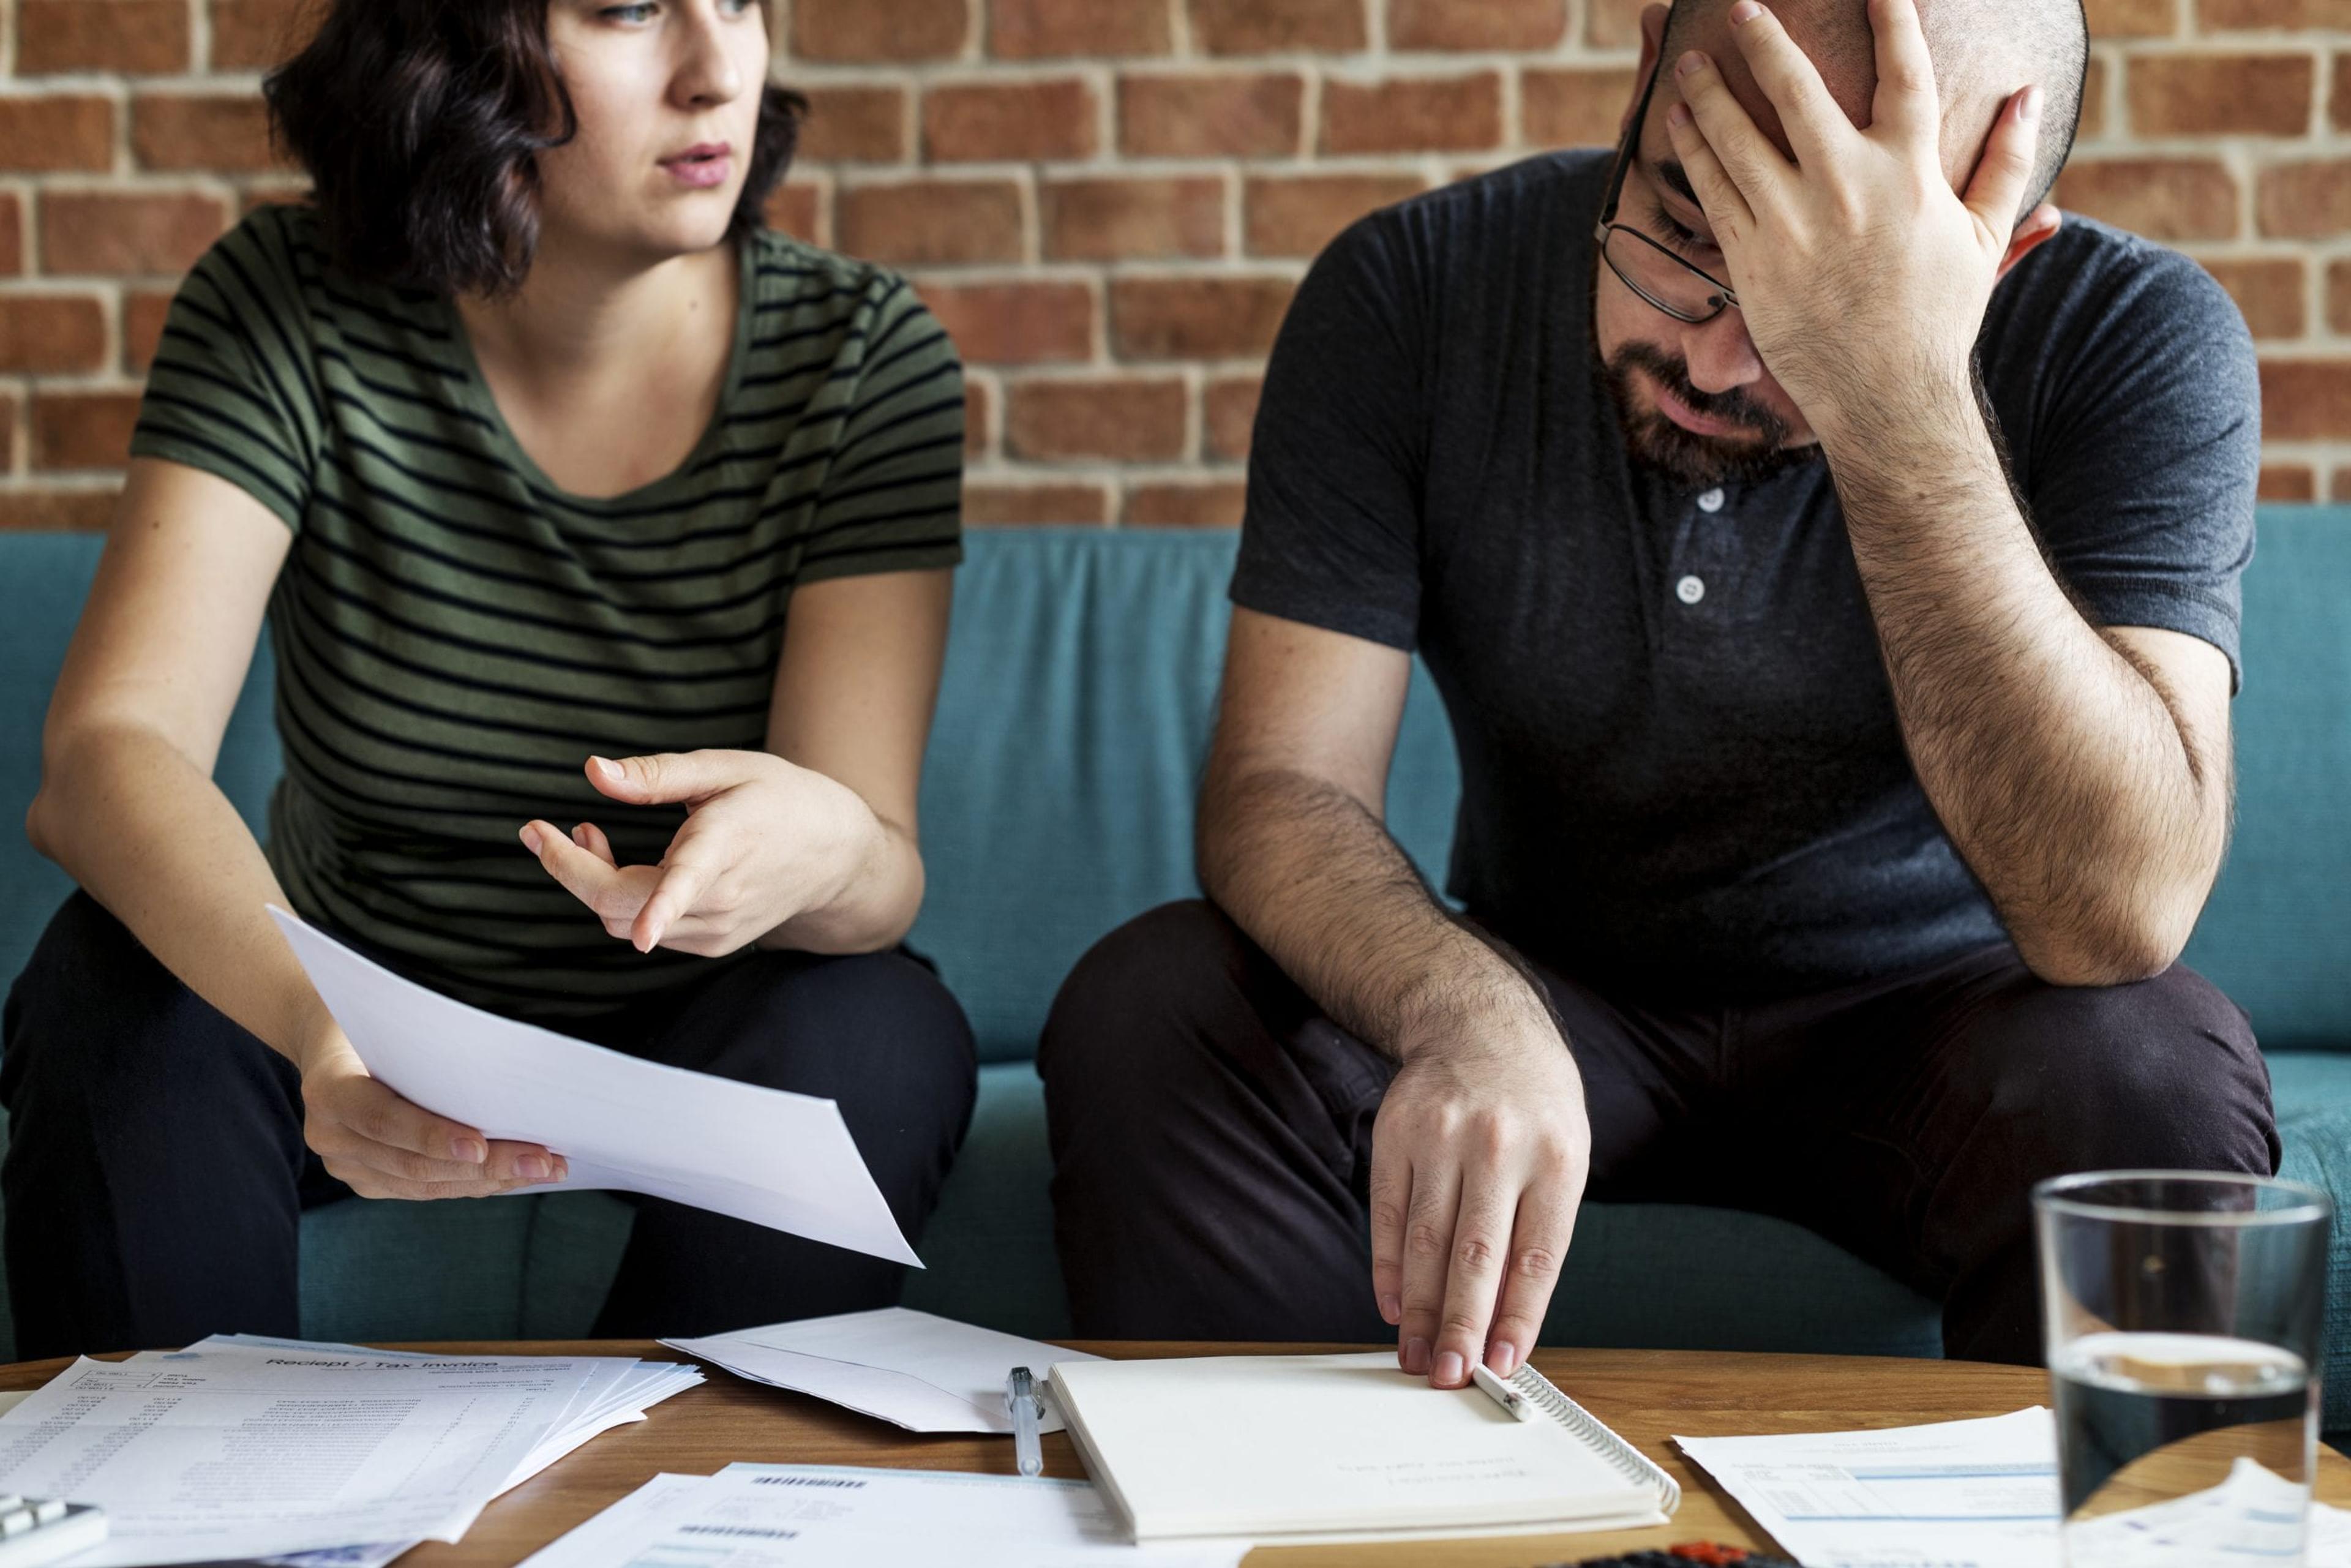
1278	1446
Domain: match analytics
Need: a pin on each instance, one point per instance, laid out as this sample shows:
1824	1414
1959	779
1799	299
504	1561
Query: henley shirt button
1690	590
1710	501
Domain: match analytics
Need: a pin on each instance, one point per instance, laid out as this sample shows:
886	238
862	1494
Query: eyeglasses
1682	291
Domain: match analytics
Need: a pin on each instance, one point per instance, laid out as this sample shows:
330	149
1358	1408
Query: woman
573	497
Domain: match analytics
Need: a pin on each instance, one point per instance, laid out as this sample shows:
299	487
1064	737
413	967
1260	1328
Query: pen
1021	1400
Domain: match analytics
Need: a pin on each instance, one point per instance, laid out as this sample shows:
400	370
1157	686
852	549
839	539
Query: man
1832	580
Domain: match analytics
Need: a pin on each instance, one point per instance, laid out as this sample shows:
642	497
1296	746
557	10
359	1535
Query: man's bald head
1983	50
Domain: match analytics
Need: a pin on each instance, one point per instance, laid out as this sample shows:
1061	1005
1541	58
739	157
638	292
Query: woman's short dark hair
421	123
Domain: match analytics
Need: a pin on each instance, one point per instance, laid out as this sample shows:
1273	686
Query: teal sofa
1058	802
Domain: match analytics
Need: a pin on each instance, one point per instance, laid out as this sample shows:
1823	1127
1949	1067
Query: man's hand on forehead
1862	276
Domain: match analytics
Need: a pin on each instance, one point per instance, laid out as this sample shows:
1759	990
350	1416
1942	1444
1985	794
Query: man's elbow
2120	950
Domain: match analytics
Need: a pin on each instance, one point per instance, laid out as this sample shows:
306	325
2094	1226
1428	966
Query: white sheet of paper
785	1161
924	1373
816	1516
1977	1494
199	1456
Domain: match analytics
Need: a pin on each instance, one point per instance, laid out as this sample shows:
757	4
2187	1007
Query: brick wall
1110	200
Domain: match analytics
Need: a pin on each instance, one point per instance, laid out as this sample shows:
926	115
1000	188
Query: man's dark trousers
1212	1131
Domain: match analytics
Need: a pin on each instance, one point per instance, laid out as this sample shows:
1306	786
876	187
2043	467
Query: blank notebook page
1267	1444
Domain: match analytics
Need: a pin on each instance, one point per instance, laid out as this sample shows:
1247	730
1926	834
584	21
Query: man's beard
1693	461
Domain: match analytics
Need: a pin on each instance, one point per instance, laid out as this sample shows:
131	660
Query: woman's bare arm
129	809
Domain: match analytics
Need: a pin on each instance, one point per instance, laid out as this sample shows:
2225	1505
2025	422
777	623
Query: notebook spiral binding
1544	1395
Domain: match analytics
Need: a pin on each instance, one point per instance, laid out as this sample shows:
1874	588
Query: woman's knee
95	1012
871	1027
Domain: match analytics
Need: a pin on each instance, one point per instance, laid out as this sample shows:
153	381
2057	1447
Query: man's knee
2160	1074
1134	1013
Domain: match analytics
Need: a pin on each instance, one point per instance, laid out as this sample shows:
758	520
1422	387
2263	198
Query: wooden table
1646	1395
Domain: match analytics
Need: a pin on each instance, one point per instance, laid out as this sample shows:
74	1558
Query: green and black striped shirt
455	634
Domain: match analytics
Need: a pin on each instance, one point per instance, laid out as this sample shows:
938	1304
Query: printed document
247	1451
815	1516
785	1161
926	1373
1974	1494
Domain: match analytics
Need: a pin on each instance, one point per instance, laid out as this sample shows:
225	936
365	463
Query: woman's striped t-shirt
455	634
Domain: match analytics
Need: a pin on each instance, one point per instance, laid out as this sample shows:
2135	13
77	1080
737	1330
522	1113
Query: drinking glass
2183	1316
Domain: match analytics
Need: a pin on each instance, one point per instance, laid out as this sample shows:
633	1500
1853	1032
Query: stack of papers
817	1516
1983	1494
926	1373
247	1447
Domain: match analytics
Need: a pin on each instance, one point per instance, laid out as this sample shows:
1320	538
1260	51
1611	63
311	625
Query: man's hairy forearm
1315	880
2058	764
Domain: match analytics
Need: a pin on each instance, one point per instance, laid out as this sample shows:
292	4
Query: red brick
2270	16
125	233
56	511
1613	24
141	38
1412	114
1061	29
12	235
2304	201
925	222
1571	108
800	209
991	122
2218	95
2269	291
1215	504
1298	215
2338	101
855	124
880	29
2288	482
255	34
262	193
1114	420
2339	488
2133	19
82	430
1273	26
2093	101
56	130
1024	323
228	131
2305	399
2162	198
978	415
144	311
1212	116
988	503
1138	218
51	334
1197	318
9	407
1477	24
2338	297
1228	417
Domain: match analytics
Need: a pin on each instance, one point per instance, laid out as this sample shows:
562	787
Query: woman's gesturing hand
381	1146
764	840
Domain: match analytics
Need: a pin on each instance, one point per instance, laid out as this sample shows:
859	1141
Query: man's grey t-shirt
1683	775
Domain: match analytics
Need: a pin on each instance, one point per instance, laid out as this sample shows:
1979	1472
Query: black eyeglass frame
1725	297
